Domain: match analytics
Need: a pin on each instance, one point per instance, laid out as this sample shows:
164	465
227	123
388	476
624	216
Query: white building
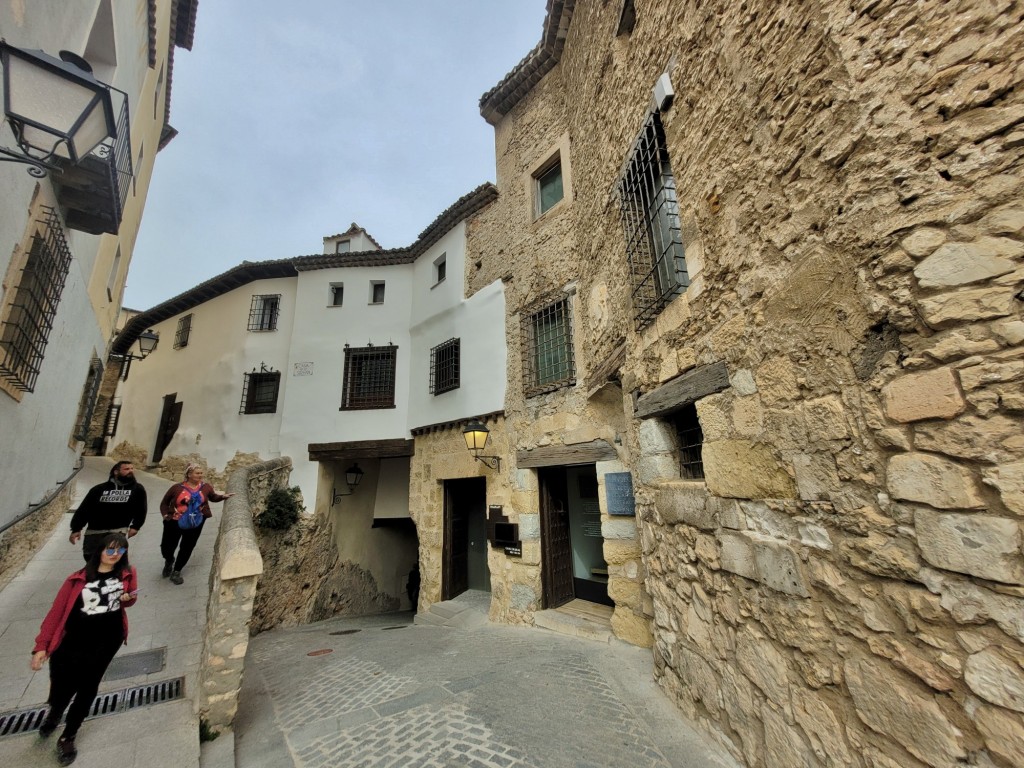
66	236
332	360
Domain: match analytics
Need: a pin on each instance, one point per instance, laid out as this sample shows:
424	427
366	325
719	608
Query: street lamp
147	343
476	434
353	476
55	108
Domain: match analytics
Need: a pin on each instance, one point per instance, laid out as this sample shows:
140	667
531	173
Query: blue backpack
193	516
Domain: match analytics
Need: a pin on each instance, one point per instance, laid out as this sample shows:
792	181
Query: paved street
390	693
165	617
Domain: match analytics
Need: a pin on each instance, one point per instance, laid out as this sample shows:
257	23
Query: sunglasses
115	551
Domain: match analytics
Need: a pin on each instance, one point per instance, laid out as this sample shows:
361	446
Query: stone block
783	745
967	305
1009	331
1003	733
737	554
996	679
742	382
954	264
655	436
619	528
932	480
713	412
529	526
980	545
632	628
816	476
1008	479
891	703
812	713
969	603
619	551
826	418
928	395
747	416
992	372
990	439
522	598
657	468
726	512
776	380
923	241
744	470
764	666
684	503
767	561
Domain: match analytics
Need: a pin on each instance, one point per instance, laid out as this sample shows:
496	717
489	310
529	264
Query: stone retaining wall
237	566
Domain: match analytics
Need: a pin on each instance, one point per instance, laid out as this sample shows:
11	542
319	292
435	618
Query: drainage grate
27	720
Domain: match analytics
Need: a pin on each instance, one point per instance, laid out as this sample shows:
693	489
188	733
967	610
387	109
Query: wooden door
170	417
556	544
455	579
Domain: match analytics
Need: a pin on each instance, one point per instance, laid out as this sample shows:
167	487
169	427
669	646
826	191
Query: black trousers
173	535
75	673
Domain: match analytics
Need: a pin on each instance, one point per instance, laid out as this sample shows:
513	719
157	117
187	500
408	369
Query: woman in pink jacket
80	635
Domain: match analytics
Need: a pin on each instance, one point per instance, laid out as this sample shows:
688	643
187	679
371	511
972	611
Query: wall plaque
514	550
302	369
618	491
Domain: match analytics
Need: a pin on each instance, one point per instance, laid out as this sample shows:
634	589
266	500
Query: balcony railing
93	192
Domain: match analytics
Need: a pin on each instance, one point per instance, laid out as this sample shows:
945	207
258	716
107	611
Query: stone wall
26	537
846	585
236	567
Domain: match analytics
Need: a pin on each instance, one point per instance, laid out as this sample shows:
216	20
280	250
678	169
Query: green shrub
282	510
206	733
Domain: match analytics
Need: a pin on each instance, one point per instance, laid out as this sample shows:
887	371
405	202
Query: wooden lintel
606	370
685	389
557	455
361	449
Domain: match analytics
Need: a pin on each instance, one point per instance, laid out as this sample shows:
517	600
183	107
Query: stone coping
238	552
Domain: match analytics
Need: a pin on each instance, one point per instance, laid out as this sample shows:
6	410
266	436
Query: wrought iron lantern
476	434
353	476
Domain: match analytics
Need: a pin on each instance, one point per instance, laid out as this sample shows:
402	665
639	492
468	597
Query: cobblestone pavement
392	693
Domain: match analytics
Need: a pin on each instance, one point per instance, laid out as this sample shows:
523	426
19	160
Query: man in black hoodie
116	505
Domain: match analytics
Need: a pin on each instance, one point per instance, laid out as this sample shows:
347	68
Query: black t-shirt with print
96	616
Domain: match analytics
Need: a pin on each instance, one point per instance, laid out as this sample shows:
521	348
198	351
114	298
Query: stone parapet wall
237	566
26	537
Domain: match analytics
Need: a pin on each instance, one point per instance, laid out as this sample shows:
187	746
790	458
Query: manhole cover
320	652
132	664
400	626
344	632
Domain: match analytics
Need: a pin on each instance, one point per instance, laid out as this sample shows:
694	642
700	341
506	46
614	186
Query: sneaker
46	728
176	577
66	752
168	567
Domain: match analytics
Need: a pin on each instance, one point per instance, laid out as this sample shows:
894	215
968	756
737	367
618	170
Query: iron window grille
369	378
183	332
548	361
126	365
690	439
113	418
263	312
650	221
259	391
87	405
444	367
26	329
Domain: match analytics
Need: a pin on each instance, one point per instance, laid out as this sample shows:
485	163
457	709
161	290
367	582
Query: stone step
431	619
447	608
568	624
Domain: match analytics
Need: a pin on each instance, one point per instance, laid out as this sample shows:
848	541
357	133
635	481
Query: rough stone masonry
846	585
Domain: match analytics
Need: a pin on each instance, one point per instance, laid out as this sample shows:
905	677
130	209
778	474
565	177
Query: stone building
763	263
67	232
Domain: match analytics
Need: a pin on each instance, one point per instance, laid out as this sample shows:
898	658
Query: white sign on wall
302	369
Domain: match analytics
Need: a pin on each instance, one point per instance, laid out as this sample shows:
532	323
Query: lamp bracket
494	462
37	168
336	496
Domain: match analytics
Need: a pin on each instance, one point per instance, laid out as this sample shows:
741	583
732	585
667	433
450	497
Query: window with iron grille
87	404
650	221
26	328
690	439
182	334
444	367
259	391
369	378
548	361
113	417
263	312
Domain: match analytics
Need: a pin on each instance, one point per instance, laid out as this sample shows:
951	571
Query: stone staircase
579	619
467	611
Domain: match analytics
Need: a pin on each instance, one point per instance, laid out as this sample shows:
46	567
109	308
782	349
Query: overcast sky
297	119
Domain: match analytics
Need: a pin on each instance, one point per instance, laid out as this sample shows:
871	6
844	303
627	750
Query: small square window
549	186
440	268
444	367
183	332
369	378
259	391
376	291
343	246
690	439
337	295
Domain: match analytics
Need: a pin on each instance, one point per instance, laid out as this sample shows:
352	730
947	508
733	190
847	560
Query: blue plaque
618	491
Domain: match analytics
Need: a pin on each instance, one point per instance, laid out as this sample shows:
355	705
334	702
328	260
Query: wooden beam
557	455
361	449
683	390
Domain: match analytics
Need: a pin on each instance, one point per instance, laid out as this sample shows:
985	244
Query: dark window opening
263	312
90	393
183	332
690	439
377	292
549	187
259	391
548	361
369	378
627	19
650	221
444	367
337	294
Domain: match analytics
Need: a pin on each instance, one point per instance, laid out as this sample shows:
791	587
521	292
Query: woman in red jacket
175	504
80	635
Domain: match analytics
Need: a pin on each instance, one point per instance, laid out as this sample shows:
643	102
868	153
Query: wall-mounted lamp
476	435
353	476
55	108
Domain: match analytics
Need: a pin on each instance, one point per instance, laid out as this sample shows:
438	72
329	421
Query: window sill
437	283
375	303
366	407
334	306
